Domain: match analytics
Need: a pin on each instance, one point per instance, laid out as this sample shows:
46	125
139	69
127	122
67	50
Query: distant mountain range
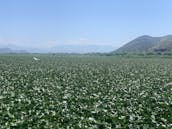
81	48
147	43
57	49
8	50
141	44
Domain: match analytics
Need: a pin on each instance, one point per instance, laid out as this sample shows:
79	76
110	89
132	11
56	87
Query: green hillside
147	43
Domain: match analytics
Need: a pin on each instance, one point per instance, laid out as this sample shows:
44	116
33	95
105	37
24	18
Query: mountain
9	50
165	44
81	48
5	50
147	43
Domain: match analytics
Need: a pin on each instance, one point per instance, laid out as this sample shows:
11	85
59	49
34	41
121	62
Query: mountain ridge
147	43
9	50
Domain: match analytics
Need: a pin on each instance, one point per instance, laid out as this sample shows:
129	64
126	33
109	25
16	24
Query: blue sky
107	23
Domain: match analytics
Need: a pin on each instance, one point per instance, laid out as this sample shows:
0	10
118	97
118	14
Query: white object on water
36	59
168	84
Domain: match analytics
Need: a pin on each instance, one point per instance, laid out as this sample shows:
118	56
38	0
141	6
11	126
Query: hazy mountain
62	48
81	48
148	43
5	50
11	49
165	44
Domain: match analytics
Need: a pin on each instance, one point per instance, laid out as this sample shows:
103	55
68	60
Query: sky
96	25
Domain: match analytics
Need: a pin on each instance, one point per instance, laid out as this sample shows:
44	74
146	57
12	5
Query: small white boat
36	59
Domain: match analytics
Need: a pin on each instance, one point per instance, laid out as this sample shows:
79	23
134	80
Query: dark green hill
147	43
165	44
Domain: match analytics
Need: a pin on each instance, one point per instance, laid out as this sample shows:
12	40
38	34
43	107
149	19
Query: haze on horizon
80	25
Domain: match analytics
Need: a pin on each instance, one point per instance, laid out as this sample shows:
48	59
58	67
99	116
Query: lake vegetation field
84	91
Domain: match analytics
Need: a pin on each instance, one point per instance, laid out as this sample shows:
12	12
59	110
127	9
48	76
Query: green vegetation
85	92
